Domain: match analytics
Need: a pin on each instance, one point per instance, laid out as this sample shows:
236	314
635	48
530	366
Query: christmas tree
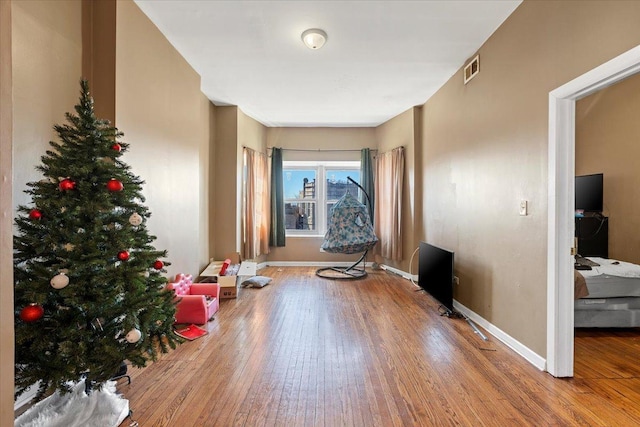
89	290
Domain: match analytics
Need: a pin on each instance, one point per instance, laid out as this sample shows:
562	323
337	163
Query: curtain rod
318	149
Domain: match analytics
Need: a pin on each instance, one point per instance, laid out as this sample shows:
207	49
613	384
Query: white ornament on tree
135	219
59	281
133	336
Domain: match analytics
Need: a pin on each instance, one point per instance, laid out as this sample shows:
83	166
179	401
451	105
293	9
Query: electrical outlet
523	207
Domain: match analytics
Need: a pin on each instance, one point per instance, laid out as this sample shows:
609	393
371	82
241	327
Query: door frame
560	233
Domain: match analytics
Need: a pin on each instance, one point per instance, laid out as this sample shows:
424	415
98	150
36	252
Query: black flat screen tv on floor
435	273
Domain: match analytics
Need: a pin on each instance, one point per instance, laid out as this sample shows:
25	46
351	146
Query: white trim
560	203
307	264
515	345
393	270
369	264
560	234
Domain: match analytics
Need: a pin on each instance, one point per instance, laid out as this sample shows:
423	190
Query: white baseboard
307	264
396	271
515	345
399	272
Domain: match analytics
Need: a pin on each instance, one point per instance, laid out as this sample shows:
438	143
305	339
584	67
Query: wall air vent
472	69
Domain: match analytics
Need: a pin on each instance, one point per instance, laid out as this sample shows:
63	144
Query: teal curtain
277	232
366	179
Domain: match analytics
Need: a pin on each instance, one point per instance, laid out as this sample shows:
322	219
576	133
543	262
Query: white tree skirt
102	408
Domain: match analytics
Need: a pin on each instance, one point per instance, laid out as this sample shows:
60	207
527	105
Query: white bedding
614	296
611	280
610	268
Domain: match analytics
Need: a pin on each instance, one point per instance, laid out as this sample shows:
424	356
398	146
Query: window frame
322	168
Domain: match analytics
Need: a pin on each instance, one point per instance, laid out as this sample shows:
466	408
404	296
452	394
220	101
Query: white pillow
257	282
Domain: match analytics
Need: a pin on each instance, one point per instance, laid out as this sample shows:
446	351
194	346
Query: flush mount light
314	38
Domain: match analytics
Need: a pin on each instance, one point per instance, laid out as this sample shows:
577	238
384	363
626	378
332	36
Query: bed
612	295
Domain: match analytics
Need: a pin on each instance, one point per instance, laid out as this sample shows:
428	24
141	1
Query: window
311	189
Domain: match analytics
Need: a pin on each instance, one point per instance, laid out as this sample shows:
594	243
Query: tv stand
592	233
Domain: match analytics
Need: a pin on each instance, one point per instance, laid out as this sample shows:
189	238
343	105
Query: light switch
523	207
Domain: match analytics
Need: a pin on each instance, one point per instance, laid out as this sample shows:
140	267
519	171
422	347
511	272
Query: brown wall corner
6	236
210	201
99	54
224	218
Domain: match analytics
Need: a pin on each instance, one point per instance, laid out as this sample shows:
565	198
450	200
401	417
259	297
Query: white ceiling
381	57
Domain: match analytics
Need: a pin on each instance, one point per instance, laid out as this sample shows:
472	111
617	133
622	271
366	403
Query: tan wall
46	66
6	209
251	134
99	54
318	142
607	135
485	148
234	130
165	119
207	187
225	219
400	132
47	61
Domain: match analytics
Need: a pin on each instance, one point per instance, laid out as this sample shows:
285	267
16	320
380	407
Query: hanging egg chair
350	231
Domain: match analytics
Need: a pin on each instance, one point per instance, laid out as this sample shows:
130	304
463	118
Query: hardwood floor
306	351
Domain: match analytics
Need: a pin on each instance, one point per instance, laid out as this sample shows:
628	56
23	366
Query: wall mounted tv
589	192
435	273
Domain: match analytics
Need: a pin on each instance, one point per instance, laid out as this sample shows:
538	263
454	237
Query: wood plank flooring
306	351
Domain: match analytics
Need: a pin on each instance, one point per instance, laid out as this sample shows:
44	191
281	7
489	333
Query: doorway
560	240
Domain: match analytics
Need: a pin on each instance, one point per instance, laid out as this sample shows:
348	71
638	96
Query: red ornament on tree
123	255
67	184
35	214
116	147
114	185
31	313
158	265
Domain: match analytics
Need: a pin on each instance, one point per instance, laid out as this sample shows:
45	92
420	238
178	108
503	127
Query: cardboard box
228	292
229	282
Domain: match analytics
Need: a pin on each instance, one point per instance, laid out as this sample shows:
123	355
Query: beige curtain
389	178
255	215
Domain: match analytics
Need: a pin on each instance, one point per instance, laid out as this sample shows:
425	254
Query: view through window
311	189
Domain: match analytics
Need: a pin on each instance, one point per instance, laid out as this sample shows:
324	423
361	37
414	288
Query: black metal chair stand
345	273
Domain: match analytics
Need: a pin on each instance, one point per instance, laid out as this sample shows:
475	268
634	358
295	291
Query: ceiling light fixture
314	38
